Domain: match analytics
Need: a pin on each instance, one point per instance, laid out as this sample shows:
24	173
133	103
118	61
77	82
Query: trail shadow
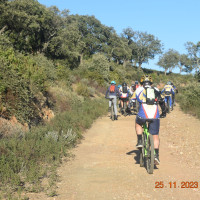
137	155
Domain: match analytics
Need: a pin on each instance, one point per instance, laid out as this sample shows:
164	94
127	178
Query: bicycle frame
146	136
147	151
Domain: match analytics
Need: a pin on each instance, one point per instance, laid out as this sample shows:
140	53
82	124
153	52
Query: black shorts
154	124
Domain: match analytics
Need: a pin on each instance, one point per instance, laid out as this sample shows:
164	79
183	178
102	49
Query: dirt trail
106	165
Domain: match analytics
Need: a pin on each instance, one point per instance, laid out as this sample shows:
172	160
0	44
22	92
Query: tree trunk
181	69
124	63
140	65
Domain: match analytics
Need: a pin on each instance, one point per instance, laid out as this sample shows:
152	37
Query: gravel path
106	163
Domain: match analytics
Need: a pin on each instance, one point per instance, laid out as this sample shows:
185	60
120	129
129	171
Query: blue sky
174	22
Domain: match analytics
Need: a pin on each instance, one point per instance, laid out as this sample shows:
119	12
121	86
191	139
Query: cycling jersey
167	90
145	111
124	95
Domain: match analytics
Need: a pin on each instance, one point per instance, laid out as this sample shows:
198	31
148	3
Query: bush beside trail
188	98
26	159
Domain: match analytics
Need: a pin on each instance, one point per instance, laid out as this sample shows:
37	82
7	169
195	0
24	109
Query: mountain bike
147	151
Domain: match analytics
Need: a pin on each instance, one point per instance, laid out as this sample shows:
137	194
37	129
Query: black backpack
124	89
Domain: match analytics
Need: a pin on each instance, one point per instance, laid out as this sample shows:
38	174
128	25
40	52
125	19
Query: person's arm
133	97
162	90
139	95
158	94
172	90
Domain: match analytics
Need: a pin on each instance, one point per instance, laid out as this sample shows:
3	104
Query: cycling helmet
119	86
124	84
169	83
113	82
136	82
146	78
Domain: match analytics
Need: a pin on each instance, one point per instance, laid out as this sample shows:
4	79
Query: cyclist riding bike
148	96
132	101
124	95
112	93
168	91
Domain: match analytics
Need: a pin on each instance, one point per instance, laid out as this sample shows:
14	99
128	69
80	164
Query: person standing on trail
148	97
112	92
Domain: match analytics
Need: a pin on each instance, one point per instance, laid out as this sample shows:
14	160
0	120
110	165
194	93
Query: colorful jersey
145	111
168	90
124	95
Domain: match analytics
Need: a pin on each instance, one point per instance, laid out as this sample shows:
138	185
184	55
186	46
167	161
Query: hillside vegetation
54	70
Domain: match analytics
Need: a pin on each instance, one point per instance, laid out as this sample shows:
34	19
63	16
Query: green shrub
26	158
188	97
82	90
22	78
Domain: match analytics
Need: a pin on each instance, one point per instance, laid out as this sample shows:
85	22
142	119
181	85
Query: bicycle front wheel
150	155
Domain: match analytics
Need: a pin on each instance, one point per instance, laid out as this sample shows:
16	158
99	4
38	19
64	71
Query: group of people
124	93
168	94
149	99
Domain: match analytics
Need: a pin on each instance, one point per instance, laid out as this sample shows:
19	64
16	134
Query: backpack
112	88
124	89
150	96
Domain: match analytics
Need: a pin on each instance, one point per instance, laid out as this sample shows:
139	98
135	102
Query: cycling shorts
154	124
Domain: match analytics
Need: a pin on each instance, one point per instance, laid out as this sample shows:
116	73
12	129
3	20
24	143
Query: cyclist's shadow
137	156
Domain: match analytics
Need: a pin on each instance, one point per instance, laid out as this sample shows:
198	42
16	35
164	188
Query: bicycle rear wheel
150	155
142	153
